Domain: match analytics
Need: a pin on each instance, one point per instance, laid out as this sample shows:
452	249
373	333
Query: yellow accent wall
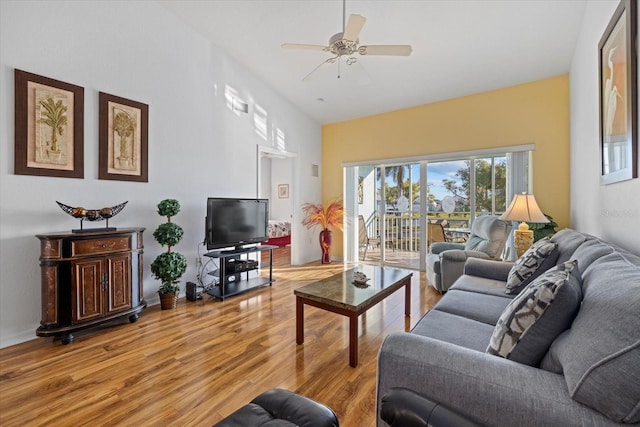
531	113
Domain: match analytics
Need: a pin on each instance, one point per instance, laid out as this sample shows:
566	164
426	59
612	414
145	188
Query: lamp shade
524	208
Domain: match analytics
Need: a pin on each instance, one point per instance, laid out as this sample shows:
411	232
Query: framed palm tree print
49	130
123	129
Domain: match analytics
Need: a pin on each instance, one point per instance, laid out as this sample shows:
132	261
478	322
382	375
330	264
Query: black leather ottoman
281	408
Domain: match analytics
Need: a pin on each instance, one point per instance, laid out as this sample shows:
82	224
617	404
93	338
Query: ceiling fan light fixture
341	46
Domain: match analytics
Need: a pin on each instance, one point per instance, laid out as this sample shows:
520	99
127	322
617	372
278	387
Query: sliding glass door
392	203
398	212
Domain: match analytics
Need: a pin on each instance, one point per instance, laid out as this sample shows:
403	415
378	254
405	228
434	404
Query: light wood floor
196	364
394	258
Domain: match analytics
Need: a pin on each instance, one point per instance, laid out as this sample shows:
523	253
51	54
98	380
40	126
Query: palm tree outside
397	173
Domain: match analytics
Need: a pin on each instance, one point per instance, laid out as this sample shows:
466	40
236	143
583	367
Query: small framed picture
283	191
49	131
124	141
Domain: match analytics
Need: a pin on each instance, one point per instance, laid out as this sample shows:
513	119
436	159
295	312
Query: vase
168	301
325	245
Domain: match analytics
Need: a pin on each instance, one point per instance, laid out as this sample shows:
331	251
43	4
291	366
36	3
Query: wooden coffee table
339	295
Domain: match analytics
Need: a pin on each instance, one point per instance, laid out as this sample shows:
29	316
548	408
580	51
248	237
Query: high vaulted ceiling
460	47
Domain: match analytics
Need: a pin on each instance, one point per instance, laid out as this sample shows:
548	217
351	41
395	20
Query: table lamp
523	208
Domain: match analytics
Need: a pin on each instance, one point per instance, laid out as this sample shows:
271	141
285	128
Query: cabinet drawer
100	246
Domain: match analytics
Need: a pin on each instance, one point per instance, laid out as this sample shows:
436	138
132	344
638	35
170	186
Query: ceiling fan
347	44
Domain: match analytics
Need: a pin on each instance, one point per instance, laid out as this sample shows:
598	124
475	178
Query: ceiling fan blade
304	46
309	76
360	74
386	49
353	28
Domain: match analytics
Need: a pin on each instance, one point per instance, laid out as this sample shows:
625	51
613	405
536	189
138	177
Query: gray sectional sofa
588	376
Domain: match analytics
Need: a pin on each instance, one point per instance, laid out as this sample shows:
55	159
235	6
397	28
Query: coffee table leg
353	340
299	320
407	298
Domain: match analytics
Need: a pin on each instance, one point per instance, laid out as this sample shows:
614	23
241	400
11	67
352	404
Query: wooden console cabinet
89	278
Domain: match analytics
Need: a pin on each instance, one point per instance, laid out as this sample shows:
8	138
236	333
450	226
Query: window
461	190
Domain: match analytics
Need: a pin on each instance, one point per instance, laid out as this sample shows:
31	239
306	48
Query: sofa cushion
480	285
484	308
590	251
568	241
454	329
535	318
540	257
600	354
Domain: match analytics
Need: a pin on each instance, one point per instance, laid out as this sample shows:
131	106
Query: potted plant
331	216
542	230
168	267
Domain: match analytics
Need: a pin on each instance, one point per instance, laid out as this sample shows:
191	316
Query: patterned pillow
535	318
541	256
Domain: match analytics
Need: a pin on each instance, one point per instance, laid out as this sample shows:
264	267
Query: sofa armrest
452	265
438	247
486	389
489	269
402	407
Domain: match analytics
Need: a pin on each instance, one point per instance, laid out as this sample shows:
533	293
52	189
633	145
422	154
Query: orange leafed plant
332	216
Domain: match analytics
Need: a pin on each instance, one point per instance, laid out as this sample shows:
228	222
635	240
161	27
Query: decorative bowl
92	214
84	214
360	279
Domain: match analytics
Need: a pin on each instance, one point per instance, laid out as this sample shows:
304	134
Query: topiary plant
169	208
168	267
168	234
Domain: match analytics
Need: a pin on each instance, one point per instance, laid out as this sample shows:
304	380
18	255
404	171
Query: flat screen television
235	222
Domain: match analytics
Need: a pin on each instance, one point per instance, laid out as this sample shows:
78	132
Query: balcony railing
402	231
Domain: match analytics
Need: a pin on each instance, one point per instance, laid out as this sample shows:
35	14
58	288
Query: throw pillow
535	318
541	256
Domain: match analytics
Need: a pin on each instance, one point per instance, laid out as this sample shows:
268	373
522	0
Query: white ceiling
460	47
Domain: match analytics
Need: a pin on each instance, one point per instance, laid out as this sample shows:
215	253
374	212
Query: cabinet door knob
104	245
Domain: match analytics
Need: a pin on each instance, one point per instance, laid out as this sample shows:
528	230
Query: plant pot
55	156
168	300
325	245
124	163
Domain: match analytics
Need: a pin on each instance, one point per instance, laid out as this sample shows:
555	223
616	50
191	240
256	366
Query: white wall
611	212
264	185
281	173
197	146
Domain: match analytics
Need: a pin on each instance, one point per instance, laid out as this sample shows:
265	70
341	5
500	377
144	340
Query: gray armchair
445	261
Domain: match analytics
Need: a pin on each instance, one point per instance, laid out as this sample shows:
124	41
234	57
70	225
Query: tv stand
236	251
233	271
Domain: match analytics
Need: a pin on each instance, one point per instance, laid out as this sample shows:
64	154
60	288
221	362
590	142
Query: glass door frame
351	241
518	179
